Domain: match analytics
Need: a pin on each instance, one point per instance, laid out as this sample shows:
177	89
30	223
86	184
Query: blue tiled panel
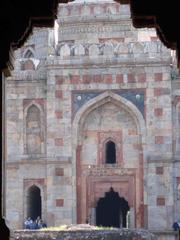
134	96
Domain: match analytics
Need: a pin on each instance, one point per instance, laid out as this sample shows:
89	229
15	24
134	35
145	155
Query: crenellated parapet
66	49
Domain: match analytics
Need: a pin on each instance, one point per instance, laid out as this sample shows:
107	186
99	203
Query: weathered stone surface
100	80
86	232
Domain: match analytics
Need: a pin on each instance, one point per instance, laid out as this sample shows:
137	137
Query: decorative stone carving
79	50
121	48
138	48
65	51
86	10
108	49
93	50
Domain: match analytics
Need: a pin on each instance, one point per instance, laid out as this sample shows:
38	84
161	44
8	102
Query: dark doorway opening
34	202
111	211
110	152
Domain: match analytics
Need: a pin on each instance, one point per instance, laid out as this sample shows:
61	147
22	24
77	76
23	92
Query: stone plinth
82	232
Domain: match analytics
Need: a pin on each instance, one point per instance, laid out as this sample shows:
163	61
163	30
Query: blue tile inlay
134	96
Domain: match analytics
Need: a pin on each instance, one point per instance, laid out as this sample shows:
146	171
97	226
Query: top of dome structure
91	1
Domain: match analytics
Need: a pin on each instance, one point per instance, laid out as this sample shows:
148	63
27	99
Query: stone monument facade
92	113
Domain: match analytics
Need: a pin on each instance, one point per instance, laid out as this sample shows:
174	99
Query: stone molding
113	26
111	48
104	61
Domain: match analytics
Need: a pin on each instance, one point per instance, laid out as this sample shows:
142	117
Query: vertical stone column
92	219
132	220
5	233
78	183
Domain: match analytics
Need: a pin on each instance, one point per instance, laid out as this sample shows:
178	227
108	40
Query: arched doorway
34	202
111	211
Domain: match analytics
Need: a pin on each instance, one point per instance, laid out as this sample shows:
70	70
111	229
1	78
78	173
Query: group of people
36	224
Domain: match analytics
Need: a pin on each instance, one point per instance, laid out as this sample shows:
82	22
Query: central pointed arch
102	99
77	143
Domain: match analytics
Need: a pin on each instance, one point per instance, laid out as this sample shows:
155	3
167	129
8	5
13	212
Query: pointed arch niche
108	118
34	127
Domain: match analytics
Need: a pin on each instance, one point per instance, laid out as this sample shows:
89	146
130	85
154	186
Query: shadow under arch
112	210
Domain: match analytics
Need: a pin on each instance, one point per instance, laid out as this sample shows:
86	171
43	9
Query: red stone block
75	79
132	131
158	112
160	201
159	170
157	92
59	80
158	76
97	78
29	65
39	101
40	181
119	78
58	94
159	139
154	39
131	78
58	114
31	182
58	141
107	78
87	78
59	172
161	91
141	77
177	180
137	146
59	202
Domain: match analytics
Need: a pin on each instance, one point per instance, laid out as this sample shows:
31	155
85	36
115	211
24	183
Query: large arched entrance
109	137
111	211
34	202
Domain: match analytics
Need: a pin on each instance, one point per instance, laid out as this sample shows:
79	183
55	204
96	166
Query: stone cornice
76	27
87	21
29	76
42	161
58	63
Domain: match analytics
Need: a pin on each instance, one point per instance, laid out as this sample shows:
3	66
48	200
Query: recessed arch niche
107	116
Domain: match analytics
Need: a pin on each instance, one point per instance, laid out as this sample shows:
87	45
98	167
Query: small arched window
110	152
29	54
